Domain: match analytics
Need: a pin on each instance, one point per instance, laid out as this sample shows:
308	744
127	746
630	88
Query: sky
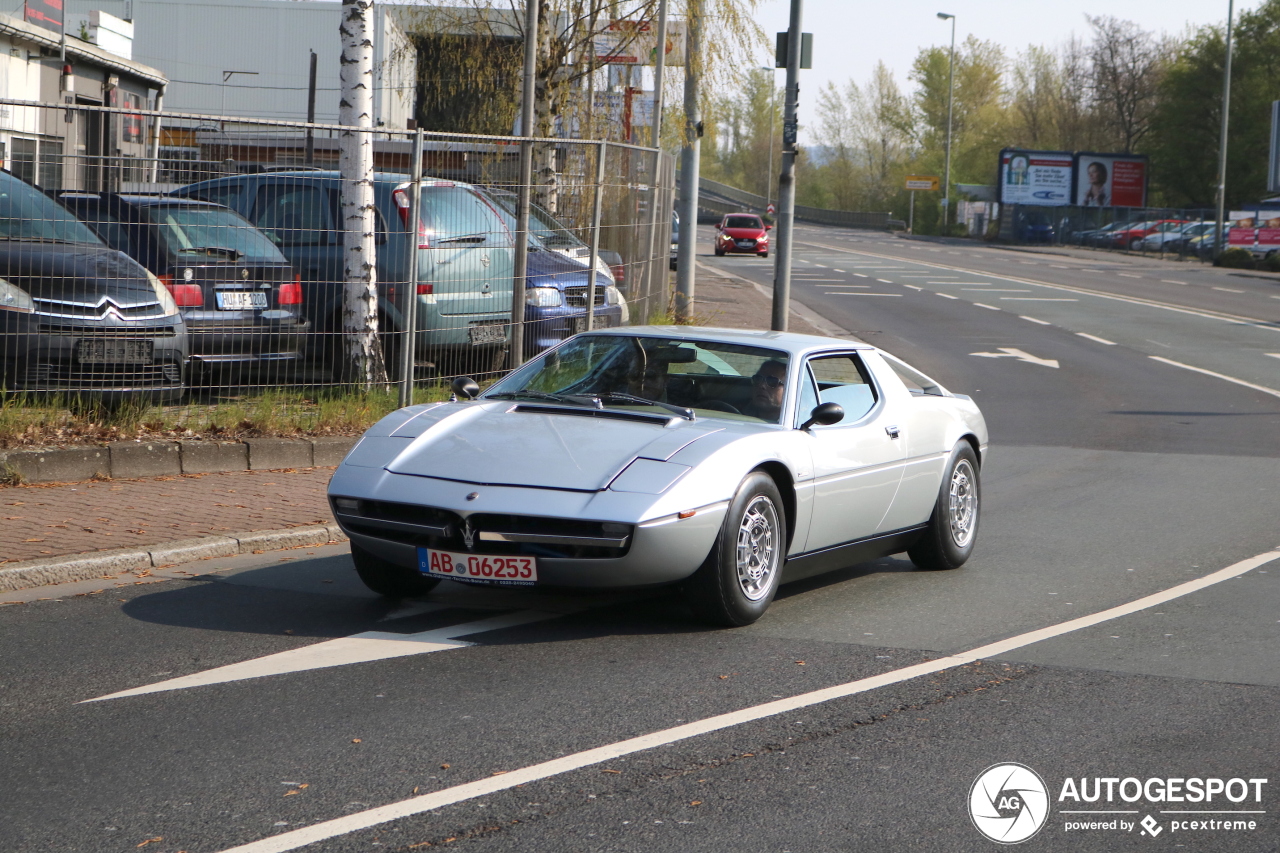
850	36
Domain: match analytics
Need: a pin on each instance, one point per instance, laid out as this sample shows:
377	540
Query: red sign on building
45	13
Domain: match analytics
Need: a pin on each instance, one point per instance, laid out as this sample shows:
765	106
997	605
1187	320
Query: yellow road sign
923	182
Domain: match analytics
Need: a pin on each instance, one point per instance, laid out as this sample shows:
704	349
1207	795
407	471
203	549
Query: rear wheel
740	576
953	527
387	578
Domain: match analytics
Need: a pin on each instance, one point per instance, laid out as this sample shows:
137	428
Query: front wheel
386	578
719	252
764	254
739	578
948	540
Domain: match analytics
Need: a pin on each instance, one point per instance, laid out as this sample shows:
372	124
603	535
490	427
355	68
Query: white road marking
359	648
884	281
1264	389
841	284
948	296
1133	300
347	824
836	293
1228	290
1060	266
1020	355
1033	320
1171	281
1274	354
1037	299
818	280
912	286
1128	275
1096	338
988	307
997	290
861	275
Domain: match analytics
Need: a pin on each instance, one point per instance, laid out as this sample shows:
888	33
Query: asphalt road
1111	477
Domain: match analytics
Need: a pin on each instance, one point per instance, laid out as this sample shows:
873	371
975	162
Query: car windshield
742	222
508	218
211	232
706	378
27	214
544	227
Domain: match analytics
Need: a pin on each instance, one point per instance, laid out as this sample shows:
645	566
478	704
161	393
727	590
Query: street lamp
773	115
951	92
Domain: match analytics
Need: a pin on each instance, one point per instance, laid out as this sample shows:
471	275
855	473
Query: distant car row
1177	236
124	295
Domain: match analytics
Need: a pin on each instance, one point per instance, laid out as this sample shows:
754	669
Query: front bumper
658	551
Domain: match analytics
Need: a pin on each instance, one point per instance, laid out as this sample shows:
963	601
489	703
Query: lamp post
951	93
1222	142
773	115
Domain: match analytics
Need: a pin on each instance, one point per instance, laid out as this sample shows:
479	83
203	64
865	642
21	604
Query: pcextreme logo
1008	803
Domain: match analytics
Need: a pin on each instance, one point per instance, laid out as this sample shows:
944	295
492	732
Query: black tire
719	253
387	578
718	592
953	526
764	254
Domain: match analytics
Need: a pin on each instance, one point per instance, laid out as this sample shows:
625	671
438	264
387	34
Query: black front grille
70	376
50	307
576	297
70	331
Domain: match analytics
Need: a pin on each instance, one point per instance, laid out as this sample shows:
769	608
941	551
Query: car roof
794	343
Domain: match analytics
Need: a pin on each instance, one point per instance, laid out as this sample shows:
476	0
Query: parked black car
77	316
240	298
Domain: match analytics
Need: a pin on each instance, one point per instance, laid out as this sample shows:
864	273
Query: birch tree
363	363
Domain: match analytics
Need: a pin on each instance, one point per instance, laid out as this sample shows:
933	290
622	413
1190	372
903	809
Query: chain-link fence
1186	234
189	259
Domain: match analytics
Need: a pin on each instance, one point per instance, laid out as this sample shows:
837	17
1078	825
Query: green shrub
1236	259
1272	263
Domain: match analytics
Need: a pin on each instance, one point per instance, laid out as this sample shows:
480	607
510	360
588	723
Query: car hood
744	233
73	271
539	446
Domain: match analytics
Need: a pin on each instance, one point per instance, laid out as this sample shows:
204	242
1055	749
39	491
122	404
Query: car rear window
742	222
202	232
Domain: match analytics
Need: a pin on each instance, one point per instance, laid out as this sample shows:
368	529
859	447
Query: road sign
789	129
771	210
1010	352
923	182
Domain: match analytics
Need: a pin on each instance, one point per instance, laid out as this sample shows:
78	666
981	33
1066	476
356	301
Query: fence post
408	352
595	233
155	143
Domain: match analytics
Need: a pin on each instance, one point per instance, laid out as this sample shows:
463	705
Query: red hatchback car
742	233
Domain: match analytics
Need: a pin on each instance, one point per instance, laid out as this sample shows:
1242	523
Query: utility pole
787	180
311	111
773	119
516	355
1218	236
689	167
951	93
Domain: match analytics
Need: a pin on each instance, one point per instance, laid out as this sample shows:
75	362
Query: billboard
636	43
45	13
1111	180
1035	177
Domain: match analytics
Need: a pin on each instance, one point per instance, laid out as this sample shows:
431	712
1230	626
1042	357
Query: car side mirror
466	388
824	414
768	226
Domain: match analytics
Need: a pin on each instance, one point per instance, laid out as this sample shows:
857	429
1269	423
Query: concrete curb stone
126	460
82	567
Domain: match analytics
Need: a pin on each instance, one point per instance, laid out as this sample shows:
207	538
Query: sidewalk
78	531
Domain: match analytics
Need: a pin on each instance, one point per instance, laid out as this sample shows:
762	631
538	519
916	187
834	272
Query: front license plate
114	352
229	300
503	571
488	333
746	244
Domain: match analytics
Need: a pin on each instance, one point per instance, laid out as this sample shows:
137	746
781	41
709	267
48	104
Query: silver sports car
727	461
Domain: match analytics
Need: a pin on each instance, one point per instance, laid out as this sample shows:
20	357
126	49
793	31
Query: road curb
105	564
128	460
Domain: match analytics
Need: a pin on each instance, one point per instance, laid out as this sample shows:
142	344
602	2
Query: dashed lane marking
1228	290
948	296
1037	299
988	307
1096	338
1033	320
294	839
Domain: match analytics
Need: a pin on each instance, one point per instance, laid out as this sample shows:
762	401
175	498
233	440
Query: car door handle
892	431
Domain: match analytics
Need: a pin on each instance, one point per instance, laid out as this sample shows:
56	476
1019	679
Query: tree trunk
363	364
546	179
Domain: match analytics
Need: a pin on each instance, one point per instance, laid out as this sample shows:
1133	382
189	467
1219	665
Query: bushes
1243	259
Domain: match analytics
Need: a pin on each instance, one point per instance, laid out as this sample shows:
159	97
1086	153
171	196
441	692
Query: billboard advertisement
44	13
1035	177
1111	180
636	43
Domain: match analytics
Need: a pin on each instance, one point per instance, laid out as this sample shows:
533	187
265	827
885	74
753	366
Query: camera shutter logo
1008	803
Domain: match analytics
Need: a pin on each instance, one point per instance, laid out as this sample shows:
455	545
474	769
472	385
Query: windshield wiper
234	254
469	238
572	399
632	398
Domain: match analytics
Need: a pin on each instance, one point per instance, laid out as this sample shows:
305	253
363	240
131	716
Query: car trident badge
468	535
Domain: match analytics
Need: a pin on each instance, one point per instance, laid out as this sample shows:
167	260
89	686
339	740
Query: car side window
917	383
843	379
294	215
226	194
107	226
808	396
